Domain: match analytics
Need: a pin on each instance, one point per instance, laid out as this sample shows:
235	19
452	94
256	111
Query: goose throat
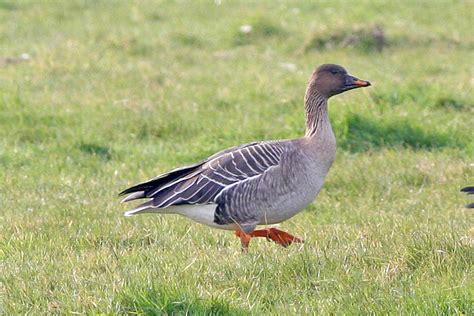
316	113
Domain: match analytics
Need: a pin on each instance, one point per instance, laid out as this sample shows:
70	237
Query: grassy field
111	94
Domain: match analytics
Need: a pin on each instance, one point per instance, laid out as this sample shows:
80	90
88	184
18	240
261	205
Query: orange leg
278	236
244	239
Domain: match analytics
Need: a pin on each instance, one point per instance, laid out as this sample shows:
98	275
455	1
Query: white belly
203	214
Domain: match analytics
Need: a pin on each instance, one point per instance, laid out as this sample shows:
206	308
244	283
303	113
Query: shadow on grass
453	103
189	40
132	45
420	94
261	28
100	151
7	6
365	134
367	38
172	302
374	38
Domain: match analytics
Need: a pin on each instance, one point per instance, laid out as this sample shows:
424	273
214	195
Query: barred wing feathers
203	182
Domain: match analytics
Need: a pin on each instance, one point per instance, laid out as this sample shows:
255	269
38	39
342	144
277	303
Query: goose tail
146	207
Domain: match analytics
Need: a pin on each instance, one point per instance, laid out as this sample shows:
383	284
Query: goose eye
334	72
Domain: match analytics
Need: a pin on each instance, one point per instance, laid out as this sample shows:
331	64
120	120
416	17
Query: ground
95	97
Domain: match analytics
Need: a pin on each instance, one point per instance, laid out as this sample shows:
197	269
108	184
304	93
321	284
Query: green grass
114	94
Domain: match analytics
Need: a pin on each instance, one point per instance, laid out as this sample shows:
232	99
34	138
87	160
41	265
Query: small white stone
25	56
246	28
295	10
288	66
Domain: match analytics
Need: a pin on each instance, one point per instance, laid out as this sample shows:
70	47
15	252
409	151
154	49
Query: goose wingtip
468	189
123	200
133	196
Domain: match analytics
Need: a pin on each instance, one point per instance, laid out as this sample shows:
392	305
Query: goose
469	190
259	183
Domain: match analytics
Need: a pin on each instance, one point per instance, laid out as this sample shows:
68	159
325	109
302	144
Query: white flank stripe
261	154
225	177
247	162
270	153
189	176
237	168
212	180
256	160
241	182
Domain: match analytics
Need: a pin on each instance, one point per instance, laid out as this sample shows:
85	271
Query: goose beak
353	83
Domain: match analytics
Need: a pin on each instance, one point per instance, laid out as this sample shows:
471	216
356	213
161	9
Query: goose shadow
166	301
365	134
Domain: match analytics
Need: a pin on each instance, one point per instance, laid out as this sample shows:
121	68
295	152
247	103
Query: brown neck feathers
316	111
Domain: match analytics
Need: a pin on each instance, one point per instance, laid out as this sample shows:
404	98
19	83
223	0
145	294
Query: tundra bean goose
469	190
259	183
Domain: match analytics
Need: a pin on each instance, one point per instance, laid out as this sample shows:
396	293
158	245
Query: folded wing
203	182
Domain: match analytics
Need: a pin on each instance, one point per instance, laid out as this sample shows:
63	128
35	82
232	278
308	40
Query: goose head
330	79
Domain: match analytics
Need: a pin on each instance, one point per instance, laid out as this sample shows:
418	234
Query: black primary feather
149	188
151	185
469	190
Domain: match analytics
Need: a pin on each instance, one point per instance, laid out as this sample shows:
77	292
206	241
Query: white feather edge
133	196
203	214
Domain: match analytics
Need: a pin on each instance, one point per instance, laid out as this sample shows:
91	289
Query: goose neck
316	114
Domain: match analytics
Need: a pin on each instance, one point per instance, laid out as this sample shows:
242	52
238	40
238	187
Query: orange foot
278	236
